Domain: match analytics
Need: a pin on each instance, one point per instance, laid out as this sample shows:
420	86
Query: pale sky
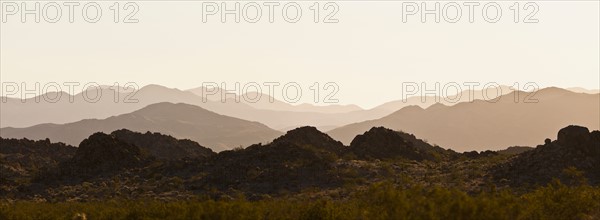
369	53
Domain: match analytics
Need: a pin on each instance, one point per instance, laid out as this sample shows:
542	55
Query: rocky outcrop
102	153
575	147
310	136
303	158
383	143
23	158
163	147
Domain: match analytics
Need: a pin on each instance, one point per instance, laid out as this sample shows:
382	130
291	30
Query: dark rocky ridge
310	136
163	147
103	153
23	158
303	159
383	143
575	147
514	150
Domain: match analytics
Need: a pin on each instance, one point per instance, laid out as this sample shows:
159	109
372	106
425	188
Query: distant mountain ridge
29	112
185	121
15	112
277	114
483	125
265	102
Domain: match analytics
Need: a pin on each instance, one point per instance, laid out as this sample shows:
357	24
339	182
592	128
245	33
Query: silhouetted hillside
486	125
183	121
575	147
22	159
161	146
302	158
514	150
303	162
380	143
103	153
311	136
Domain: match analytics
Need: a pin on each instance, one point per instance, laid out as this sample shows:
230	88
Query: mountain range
274	113
183	121
37	110
462	125
489	125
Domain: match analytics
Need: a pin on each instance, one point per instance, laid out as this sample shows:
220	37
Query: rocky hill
383	143
22	159
310	136
163	147
302	158
103	153
304	161
576	149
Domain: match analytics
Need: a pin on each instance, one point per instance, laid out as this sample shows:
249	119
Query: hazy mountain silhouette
484	125
278	115
583	90
29	112
462	96
15	113
266	102
184	121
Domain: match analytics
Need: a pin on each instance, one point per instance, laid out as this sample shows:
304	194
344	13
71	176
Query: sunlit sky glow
369	53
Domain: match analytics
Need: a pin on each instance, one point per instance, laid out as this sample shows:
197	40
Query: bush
380	201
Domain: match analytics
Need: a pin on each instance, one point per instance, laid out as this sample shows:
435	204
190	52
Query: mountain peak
436	106
177	109
409	109
154	86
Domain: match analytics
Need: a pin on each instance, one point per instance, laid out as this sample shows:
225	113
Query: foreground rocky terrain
302	163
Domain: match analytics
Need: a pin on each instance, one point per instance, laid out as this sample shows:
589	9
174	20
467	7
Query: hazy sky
369	53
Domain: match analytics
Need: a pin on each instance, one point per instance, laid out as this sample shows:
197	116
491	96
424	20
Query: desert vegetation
380	201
